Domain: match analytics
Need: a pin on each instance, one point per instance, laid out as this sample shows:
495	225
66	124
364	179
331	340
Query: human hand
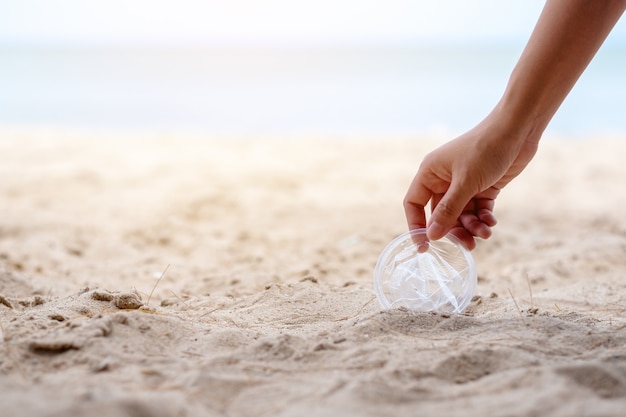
462	178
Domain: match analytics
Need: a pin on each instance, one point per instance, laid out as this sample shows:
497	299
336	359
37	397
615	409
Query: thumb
447	211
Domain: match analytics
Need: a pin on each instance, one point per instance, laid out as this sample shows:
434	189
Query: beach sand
267	305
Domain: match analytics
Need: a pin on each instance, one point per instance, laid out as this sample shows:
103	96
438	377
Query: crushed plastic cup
423	275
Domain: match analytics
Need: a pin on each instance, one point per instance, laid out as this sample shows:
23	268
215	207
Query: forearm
566	37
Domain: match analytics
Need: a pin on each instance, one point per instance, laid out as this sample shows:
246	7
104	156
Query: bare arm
566	37
462	178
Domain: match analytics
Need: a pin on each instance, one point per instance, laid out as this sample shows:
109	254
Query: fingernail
435	231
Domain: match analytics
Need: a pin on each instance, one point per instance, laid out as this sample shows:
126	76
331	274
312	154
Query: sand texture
267	306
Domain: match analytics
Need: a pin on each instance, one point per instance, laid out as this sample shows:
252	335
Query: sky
36	84
265	21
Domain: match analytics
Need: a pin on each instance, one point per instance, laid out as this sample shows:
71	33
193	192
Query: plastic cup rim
385	254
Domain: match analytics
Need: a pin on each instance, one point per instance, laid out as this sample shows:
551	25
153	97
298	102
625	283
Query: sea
289	91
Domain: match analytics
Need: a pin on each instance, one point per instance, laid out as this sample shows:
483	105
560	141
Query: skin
462	178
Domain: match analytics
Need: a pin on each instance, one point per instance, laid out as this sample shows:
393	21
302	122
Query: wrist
521	121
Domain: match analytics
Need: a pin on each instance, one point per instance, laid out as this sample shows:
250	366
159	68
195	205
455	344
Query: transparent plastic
420	275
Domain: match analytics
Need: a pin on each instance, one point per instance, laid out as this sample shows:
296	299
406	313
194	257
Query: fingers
475	226
457	211
487	217
448	210
483	207
414	204
464	236
478	218
414	208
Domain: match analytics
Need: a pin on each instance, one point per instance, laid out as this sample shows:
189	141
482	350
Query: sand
267	306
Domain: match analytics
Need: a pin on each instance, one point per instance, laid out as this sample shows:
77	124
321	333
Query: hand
462	178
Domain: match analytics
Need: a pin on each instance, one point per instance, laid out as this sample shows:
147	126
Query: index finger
415	201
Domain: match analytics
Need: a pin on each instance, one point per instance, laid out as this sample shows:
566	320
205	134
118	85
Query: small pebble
127	301
57	317
100	295
5	302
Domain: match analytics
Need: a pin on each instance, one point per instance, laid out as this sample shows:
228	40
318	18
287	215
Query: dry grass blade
530	290
519	310
157	283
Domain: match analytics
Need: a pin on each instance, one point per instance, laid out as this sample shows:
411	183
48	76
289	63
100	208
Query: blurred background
280	67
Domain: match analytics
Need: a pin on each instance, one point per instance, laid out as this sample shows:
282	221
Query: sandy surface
267	307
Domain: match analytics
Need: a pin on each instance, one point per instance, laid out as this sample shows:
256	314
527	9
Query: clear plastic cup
421	275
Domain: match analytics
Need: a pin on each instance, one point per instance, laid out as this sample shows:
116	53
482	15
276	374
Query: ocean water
315	91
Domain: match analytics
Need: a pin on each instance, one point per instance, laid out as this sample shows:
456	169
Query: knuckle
407	202
445	209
